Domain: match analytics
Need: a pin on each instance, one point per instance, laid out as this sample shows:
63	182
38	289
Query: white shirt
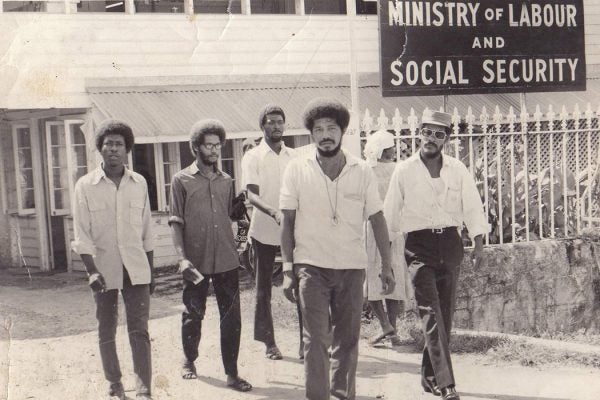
411	203
312	194
263	167
114	226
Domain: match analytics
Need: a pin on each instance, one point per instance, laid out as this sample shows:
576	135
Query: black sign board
430	47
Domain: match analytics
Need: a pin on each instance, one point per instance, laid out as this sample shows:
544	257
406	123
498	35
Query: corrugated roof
158	113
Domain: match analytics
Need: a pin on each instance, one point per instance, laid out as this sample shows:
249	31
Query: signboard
486	46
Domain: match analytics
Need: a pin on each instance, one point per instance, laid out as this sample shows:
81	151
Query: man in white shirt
429	198
112	227
262	172
326	196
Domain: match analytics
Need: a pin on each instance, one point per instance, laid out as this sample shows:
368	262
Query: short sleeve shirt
202	205
353	195
263	167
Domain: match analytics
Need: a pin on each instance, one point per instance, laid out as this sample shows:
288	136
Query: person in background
262	169
431	195
326	196
201	201
380	153
113	235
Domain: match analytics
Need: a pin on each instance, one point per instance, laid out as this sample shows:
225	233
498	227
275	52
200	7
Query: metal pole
352	138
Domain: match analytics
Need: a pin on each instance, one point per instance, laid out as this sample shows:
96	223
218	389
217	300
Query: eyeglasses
430	132
212	146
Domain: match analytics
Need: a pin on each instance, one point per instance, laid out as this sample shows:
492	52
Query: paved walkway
52	354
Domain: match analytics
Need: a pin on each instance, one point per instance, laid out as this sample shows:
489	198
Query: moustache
327	141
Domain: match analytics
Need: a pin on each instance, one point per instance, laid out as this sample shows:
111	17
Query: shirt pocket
99	213
352	209
454	198
136	212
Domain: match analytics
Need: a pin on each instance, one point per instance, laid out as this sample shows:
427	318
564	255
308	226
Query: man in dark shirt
201	198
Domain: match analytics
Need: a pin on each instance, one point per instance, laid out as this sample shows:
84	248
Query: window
158	6
66	160
366	7
23	168
227	159
101	6
168	158
272	7
324	7
217	6
24	6
8	164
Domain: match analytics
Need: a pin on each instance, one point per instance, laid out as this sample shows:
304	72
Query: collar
99	174
417	158
263	147
193	169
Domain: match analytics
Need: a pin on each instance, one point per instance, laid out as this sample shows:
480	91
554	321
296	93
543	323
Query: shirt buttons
216	226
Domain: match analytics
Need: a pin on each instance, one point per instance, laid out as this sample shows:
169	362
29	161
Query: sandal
381	337
240	385
188	371
273	353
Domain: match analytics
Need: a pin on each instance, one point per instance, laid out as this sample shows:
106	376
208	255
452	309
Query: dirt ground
48	350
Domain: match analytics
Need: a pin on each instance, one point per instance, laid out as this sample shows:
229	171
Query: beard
330	153
207	161
276	139
432	154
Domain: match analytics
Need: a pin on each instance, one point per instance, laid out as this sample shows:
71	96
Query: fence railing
538	174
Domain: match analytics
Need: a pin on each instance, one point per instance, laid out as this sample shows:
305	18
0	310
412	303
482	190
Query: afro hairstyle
325	108
114	127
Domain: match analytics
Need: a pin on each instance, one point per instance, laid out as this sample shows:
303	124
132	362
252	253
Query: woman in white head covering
380	153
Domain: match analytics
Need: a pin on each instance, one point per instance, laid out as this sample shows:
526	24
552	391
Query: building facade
162	65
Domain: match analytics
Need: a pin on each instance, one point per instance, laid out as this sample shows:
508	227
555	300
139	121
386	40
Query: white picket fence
538	174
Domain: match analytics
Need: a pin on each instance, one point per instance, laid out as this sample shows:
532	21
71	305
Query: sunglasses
430	132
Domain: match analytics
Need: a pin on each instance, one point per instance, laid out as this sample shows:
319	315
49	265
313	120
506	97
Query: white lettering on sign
439	13
428	72
488	43
529	70
548	15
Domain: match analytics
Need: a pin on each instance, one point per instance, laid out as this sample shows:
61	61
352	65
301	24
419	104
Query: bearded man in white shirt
326	196
431	195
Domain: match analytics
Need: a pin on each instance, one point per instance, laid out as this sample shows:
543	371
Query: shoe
117	390
429	385
449	393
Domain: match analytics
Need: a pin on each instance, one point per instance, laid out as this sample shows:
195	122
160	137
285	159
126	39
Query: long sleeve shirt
113	225
413	203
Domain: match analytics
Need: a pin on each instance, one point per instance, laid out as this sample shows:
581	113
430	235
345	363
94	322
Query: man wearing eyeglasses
431	195
201	199
262	169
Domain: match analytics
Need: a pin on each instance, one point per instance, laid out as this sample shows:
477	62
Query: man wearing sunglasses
431	195
201	202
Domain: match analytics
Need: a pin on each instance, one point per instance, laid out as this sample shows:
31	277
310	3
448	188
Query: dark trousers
331	302
226	286
264	258
434	264
137	310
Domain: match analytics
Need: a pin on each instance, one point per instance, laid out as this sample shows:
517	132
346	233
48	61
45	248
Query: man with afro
201	203
112	226
326	196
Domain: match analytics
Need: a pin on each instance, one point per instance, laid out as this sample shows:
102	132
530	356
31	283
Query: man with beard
112	226
429	198
326	195
262	169
201	199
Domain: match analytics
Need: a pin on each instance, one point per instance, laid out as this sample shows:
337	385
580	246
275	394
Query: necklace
332	205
